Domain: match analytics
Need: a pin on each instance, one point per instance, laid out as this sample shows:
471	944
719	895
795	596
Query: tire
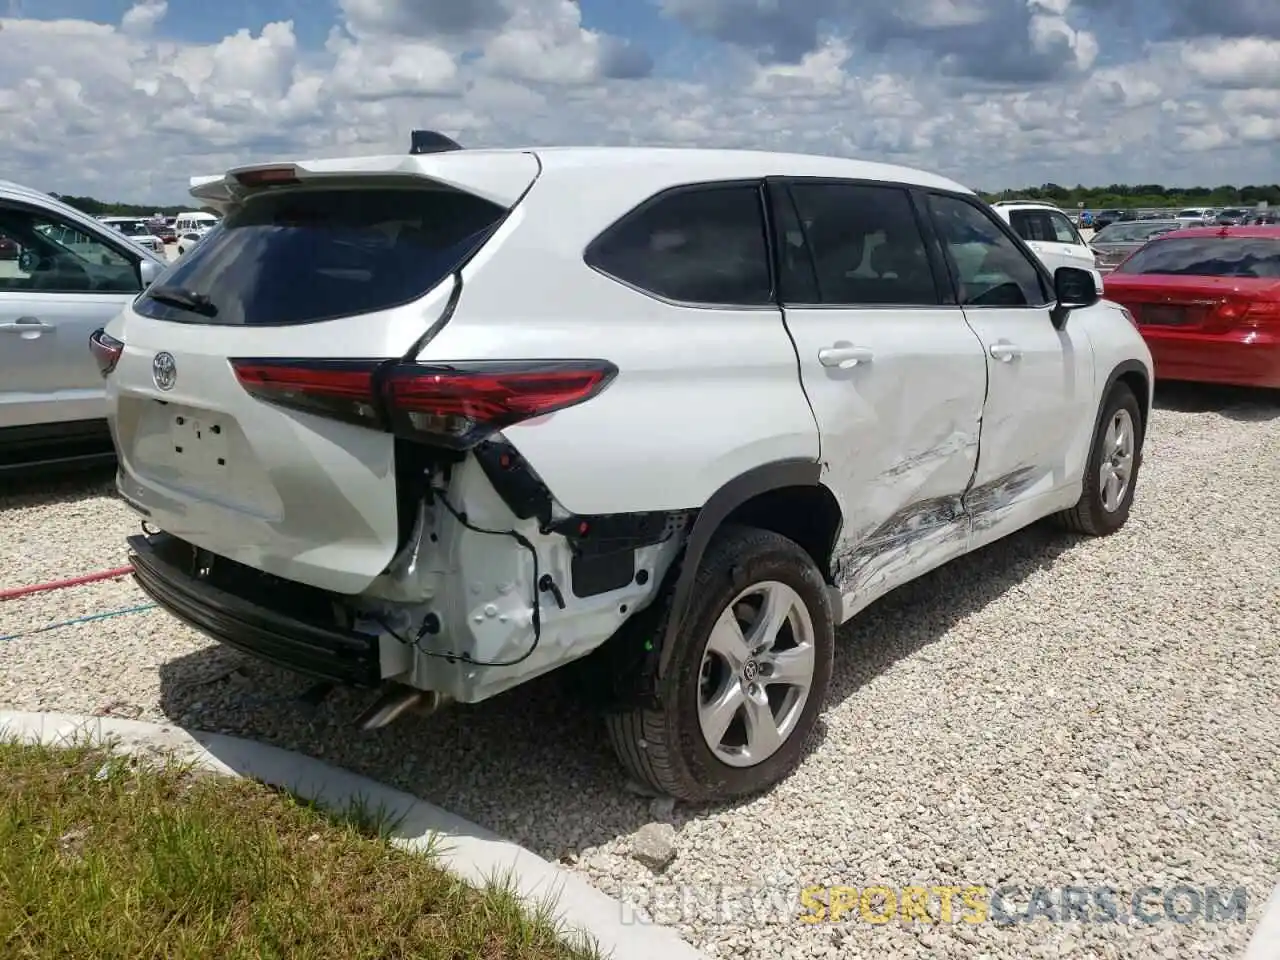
1096	513
665	748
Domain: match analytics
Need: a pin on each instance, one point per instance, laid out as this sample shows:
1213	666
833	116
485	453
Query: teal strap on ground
72	623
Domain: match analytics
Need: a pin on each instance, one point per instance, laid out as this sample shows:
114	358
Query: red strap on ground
14	592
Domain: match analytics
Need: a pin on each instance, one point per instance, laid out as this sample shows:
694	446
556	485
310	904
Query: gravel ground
1048	712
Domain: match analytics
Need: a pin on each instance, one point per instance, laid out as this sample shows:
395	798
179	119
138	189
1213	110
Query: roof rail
429	141
1043	203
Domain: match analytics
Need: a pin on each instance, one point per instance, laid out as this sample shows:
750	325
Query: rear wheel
747	679
1111	475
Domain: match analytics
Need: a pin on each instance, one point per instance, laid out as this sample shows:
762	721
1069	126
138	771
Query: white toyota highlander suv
442	422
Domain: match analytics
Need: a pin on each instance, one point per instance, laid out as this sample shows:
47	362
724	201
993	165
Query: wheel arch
1135	375
787	497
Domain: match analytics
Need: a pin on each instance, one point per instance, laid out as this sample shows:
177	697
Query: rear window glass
1208	257
308	255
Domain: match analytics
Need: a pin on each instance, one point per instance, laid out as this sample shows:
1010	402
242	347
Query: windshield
1208	257
1191	213
302	256
1131	232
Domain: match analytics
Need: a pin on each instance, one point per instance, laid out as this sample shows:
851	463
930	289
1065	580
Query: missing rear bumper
305	645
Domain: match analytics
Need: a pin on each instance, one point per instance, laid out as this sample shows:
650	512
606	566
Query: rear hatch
1194	304
320	275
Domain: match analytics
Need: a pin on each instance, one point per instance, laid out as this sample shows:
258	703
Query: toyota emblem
164	370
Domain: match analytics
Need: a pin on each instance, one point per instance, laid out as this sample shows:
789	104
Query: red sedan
1207	301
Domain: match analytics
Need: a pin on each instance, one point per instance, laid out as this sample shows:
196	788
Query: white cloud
130	114
1240	63
818	74
143	16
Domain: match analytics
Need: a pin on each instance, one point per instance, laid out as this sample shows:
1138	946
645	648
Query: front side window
992	271
865	244
702	244
1063	231
1257	257
50	256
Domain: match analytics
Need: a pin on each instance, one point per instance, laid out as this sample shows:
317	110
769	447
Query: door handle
1005	351
844	357
26	325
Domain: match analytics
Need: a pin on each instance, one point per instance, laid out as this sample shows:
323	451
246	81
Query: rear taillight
460	404
106	351
455	405
340	389
1241	312
1261	313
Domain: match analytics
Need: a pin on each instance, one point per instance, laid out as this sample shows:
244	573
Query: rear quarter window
303	256
700	244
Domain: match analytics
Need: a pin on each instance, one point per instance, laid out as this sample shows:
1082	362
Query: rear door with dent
895	376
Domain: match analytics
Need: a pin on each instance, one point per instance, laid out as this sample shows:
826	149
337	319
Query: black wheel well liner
759	497
1134	375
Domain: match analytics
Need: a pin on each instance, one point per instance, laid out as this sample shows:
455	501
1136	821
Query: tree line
103	208
1124	196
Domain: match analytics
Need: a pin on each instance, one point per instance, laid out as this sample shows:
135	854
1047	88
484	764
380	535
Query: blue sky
995	93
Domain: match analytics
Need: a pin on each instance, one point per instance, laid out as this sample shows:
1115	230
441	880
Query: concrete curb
1265	944
471	852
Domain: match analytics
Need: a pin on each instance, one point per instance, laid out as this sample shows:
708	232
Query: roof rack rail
429	141
1043	203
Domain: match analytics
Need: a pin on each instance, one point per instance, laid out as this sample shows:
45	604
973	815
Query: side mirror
1074	289
148	272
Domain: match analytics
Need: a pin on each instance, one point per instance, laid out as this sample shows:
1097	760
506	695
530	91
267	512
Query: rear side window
701	244
1032	226
866	246
308	255
1208	257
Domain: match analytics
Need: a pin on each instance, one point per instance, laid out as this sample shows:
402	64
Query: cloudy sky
125	99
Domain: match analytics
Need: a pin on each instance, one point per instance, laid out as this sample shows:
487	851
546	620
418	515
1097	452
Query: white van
198	222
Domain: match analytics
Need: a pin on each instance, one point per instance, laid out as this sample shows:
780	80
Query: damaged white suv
446	421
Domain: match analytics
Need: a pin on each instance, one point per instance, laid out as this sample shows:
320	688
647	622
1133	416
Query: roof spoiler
429	141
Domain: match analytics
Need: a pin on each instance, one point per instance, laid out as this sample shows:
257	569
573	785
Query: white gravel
1049	712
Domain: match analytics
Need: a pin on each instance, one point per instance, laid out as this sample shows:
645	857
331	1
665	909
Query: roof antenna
429	141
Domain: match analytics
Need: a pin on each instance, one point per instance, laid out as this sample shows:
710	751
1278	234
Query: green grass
102	857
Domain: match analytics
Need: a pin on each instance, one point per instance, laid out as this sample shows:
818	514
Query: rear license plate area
198	442
1164	315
